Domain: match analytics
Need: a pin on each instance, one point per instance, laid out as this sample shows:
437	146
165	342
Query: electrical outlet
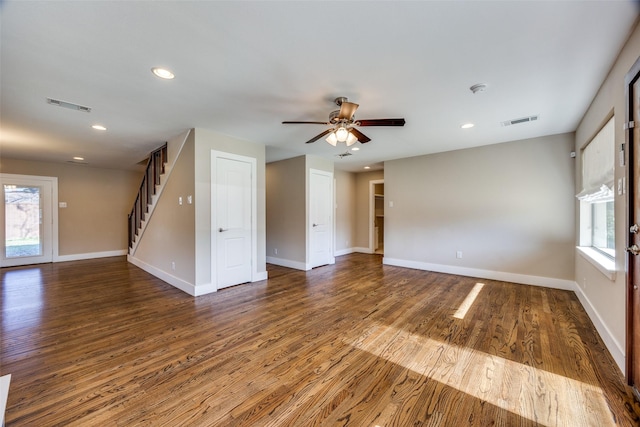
275	251
173	265
459	254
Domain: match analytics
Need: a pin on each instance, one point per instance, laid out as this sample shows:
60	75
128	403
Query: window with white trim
596	198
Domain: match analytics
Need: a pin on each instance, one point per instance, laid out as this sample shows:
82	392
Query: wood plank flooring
102	343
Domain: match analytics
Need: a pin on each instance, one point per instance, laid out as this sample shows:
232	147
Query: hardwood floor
101	342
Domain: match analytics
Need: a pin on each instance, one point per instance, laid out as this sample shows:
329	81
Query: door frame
372	213
215	155
632	160
36	180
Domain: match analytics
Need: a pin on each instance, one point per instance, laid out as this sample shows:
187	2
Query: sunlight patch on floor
468	301
540	396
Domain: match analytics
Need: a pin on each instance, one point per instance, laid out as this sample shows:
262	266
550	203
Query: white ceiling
243	67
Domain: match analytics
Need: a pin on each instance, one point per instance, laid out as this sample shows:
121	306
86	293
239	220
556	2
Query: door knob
222	229
634	250
633	229
315	225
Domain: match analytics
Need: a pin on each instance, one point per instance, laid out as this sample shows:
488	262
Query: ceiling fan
344	124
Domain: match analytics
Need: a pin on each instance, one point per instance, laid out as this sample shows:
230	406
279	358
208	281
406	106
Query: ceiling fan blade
381	122
317	137
361	136
313	123
347	110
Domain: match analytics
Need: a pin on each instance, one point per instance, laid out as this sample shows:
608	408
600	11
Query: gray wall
288	207
605	298
205	142
168	242
508	207
286	214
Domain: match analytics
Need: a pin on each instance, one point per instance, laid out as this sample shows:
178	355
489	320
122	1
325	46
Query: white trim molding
617	351
90	255
174	281
297	265
549	282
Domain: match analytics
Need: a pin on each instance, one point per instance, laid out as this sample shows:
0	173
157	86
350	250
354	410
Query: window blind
598	159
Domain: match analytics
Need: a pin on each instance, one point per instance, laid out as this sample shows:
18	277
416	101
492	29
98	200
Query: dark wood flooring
102	343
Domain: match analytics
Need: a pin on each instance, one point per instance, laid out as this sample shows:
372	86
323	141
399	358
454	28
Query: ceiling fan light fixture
342	134
332	139
351	139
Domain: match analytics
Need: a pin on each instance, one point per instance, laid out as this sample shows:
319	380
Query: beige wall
606	298
508	207
286	215
98	203
345	192
205	142
168	242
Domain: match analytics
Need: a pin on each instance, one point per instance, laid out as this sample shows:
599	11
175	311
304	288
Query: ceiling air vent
520	120
68	105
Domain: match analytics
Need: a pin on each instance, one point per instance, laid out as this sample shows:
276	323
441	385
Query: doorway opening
376	216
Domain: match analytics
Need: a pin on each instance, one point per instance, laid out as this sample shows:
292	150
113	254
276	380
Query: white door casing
48	218
320	218
233	219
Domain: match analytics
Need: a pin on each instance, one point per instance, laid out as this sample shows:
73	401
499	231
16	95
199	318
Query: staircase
150	182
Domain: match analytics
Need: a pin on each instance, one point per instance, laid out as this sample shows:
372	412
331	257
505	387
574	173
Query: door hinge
629	125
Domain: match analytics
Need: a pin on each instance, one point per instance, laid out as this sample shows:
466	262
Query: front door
320	218
633	282
27	220
232	219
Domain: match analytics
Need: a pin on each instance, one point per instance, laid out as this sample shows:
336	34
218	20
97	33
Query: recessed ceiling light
163	73
367	167
78	158
355	149
99	127
467	126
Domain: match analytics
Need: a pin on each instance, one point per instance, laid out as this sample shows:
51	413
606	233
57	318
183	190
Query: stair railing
150	180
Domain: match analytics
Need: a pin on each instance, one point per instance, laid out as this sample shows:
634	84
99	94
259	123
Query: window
597	219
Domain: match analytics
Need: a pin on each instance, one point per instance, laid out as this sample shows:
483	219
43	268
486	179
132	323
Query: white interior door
27	219
232	221
320	218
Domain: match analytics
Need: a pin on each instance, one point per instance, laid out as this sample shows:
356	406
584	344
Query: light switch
62	204
390	204
189	199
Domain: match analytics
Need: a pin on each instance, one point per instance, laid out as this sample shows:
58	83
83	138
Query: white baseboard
288	263
259	276
341	252
614	347
170	279
91	255
363	250
549	282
